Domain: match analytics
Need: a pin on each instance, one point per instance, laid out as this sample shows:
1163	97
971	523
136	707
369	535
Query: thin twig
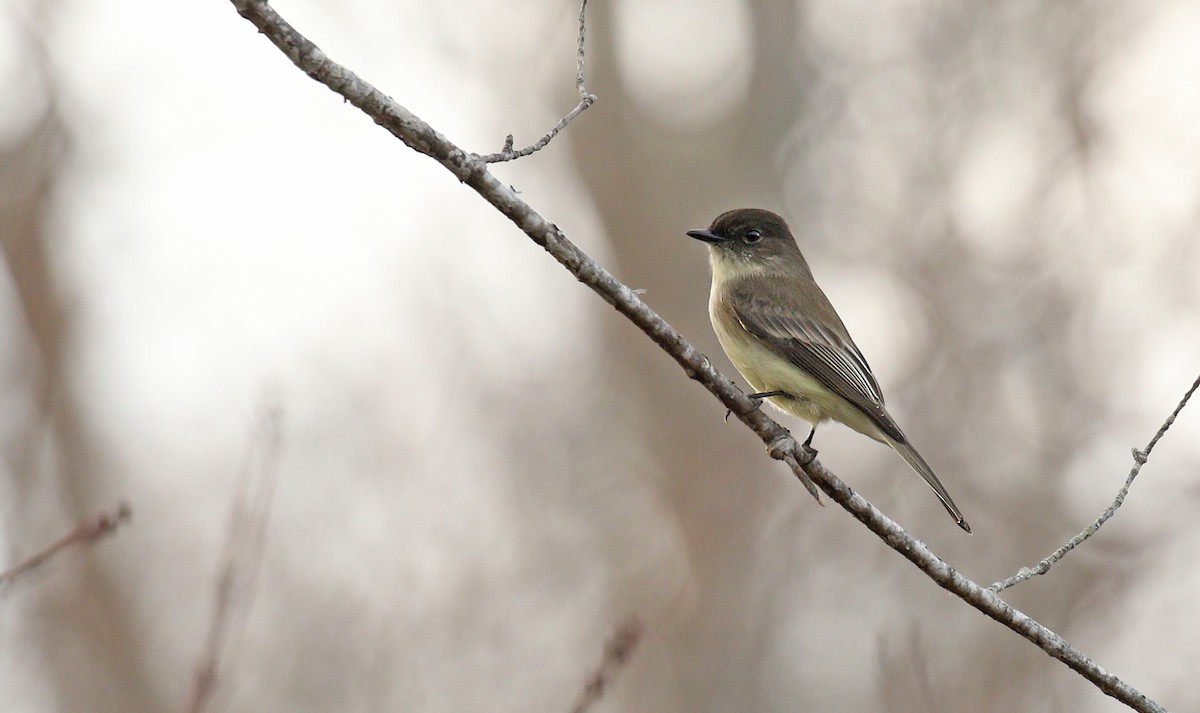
616	653
241	555
784	449
472	170
1139	459
103	523
586	99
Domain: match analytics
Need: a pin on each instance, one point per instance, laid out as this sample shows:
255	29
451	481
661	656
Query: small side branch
586	99
616	653
784	448
103	523
1139	459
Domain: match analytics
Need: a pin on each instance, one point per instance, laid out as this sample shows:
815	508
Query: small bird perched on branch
785	338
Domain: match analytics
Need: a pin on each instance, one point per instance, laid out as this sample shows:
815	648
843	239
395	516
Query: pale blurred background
484	467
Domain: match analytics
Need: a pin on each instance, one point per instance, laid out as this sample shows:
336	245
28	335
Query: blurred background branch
617	651
86	532
241	555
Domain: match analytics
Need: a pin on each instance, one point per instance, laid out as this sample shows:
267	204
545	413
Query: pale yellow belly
765	370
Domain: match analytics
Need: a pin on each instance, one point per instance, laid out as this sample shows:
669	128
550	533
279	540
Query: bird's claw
757	397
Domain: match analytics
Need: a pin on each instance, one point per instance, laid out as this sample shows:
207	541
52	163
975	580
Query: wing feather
830	357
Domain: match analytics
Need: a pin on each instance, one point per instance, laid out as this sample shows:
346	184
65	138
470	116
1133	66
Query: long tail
918	464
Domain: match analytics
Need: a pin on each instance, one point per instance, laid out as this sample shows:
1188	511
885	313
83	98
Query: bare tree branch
1139	459
616	653
473	170
103	523
586	99
242	552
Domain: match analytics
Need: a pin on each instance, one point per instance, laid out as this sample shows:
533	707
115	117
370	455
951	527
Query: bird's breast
765	369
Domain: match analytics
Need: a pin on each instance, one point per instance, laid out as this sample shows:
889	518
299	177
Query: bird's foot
783	447
810	453
757	397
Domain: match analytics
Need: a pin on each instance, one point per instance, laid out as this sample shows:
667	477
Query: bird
785	338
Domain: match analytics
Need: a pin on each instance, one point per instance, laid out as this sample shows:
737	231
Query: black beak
707	236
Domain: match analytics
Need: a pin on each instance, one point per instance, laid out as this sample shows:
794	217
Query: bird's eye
752	237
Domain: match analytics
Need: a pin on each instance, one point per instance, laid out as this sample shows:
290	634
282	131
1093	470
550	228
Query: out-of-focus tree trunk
77	620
